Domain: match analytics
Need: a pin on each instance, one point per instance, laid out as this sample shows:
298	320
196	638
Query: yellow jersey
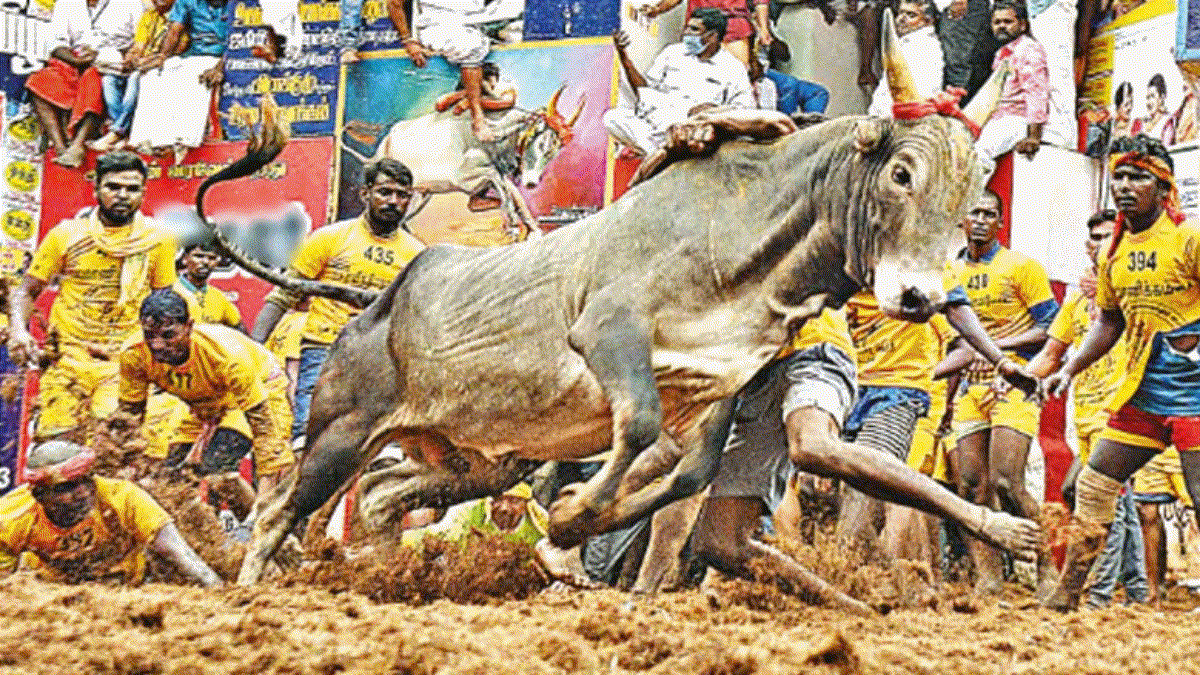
284	341
891	352
1097	382
225	370
110	542
828	326
103	275
1009	291
1153	278
209	305
348	253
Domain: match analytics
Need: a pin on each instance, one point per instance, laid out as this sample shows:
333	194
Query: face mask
692	45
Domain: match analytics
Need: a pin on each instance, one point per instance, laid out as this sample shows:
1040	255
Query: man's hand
1016	375
22	347
663	6
1087	285
213	77
1056	385
84	56
957	9
417	52
1027	146
620	40
148	63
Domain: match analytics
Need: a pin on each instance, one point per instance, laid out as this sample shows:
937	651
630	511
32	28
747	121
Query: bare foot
350	56
105	143
72	158
180	153
1019	536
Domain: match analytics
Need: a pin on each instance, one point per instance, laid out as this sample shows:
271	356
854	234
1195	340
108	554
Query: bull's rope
942	103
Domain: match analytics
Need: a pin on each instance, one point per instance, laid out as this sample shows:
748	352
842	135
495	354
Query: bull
445	156
642	320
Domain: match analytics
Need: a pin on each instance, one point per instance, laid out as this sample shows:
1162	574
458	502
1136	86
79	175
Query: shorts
1133	426
927	454
74	386
884	418
1161	481
980	408
270	454
755	462
1088	429
465	46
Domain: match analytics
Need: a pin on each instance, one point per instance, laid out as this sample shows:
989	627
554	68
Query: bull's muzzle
916	305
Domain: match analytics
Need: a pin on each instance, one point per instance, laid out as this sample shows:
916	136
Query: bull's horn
988	97
552	106
578	110
900	80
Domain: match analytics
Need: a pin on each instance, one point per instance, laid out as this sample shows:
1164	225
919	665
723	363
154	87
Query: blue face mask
692	45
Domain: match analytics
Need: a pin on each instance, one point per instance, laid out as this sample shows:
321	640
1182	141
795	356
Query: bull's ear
868	133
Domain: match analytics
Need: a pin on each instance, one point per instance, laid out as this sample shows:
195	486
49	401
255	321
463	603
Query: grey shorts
755	461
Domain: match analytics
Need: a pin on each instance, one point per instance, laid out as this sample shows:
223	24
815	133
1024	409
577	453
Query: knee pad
1096	496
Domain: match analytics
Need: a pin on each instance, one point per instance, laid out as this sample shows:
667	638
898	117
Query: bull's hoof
574	519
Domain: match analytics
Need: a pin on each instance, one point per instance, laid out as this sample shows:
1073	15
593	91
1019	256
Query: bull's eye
902	177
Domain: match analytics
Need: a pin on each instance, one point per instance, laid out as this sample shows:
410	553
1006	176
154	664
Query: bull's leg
694	471
328	463
669	530
614	340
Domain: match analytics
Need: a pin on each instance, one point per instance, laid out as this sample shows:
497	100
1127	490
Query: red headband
942	103
1160	170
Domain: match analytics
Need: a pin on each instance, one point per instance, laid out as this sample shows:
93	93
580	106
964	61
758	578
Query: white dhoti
283	16
1000	134
460	44
645	128
173	105
1054	27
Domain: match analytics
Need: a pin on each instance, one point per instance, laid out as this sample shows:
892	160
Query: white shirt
720	80
923	51
111	23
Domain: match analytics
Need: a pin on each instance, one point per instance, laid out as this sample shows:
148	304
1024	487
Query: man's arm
169	544
635	77
1049	358
167	48
1100	338
275	305
416	51
1035	80
963	318
21	345
662	7
762	23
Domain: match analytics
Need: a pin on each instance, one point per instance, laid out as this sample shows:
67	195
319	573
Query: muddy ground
485	607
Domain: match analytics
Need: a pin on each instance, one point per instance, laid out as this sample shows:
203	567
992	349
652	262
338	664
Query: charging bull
445	156
639	321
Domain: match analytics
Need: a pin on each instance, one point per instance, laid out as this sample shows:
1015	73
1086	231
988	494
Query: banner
558	174
265	215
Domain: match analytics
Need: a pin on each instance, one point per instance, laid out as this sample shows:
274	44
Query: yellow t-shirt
828	326
891	352
210	305
284	341
1153	277
1003	287
225	370
348	253
1094	385
90	309
109	542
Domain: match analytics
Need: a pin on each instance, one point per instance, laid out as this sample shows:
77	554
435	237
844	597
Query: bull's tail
262	148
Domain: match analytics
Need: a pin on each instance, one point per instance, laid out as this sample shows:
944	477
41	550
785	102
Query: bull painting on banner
289	198
550	159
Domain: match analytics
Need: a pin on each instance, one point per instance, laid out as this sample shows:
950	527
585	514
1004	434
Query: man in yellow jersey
799	402
366	252
106	262
1123	553
221	374
209	303
895	381
1011	294
1148	289
71	526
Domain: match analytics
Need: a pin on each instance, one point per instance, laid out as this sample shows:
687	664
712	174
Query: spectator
915	21
87	38
741	25
1054	22
106	261
285	30
71	526
685	77
790	94
367	251
175	91
208	303
450	28
222	375
1123	553
1011	293
120	80
1157	123
1187	118
1024	108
